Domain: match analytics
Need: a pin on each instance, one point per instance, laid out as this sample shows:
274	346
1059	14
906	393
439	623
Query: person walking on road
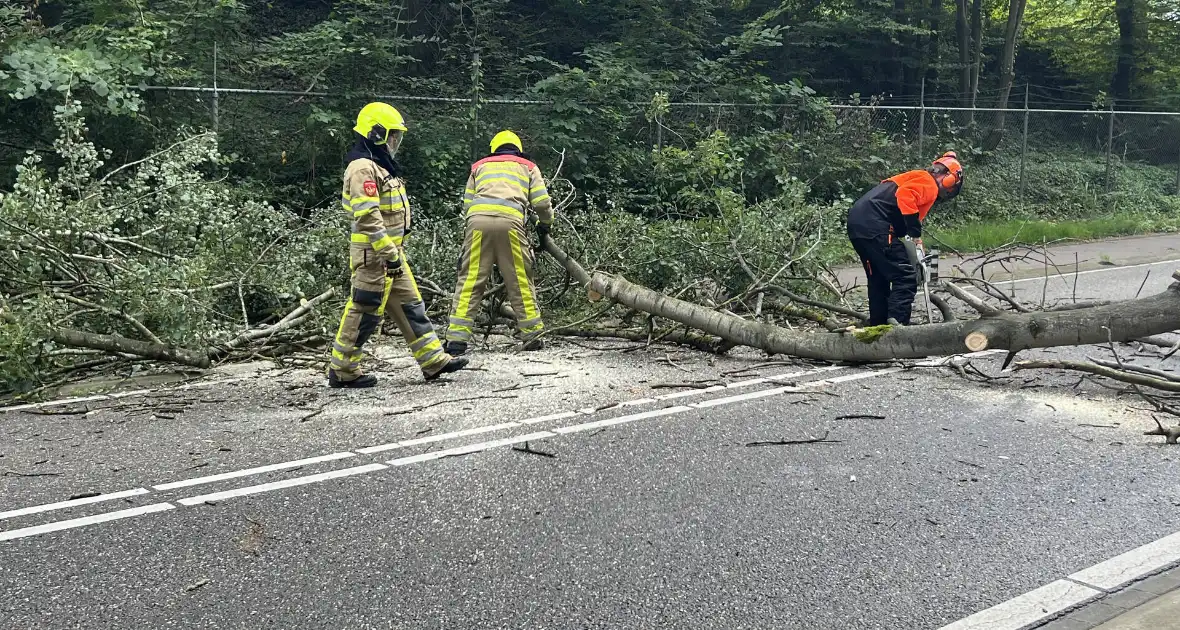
374	197
877	223
501	189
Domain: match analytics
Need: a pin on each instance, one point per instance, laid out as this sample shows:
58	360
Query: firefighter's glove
394	268
542	229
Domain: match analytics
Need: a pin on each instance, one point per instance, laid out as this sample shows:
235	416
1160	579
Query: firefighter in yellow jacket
374	197
501	190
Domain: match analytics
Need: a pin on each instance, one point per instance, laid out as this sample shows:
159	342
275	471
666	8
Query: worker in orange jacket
877	223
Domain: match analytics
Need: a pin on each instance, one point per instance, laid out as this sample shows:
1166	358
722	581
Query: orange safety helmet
953	180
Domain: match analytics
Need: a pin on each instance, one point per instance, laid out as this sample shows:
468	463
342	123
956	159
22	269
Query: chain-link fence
1114	155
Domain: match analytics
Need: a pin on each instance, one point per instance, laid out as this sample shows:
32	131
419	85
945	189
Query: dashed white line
84	521
470	448
253	471
554	416
587	426
1033	606
692	392
705	404
441	437
279	485
1070	274
61	505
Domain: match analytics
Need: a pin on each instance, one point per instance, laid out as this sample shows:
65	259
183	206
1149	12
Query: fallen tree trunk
1125	320
115	343
575	270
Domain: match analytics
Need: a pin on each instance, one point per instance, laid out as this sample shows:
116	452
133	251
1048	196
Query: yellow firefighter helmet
376	120
506	137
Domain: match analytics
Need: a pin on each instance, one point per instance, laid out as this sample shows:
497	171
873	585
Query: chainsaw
927	267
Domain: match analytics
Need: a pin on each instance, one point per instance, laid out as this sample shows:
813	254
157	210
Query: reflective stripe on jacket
507	184
378	206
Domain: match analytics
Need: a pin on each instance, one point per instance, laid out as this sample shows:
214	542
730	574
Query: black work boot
360	382
892	322
454	365
455	348
532	345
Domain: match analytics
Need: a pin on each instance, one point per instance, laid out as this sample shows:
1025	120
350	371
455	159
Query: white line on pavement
84	521
744	397
554	416
253	471
441	437
278	485
470	448
1033	606
1070	274
587	426
61	505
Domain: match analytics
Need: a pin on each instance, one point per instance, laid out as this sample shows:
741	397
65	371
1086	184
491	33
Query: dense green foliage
686	131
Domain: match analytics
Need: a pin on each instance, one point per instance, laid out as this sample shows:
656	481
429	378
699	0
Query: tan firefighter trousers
374	296
498	240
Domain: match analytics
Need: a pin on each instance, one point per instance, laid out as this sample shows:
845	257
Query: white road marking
1132	565
1070	274
461	450
196	481
470	448
441	437
744	397
1027	609
859	375
84	521
587	426
279	485
692	392
554	416
61	505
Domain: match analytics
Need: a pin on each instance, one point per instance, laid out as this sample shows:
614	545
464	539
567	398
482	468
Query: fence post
1109	146
1178	172
1024	146
922	122
215	100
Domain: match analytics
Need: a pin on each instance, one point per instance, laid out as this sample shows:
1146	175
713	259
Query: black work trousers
893	280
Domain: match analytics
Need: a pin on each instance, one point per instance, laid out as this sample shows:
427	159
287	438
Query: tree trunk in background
963	35
1126	65
900	70
976	48
1007	74
932	58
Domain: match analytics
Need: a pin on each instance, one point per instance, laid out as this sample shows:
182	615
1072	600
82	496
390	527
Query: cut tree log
1126	320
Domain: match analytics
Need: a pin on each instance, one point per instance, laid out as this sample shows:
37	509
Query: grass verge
990	234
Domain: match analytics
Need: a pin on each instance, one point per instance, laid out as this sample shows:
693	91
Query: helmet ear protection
378	134
952	180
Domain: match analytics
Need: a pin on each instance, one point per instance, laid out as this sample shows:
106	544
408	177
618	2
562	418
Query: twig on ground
820	440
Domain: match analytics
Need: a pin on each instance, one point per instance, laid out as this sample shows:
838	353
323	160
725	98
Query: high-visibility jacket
379	209
896	206
506	184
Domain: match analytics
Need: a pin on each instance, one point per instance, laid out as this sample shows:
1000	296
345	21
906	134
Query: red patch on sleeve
371	188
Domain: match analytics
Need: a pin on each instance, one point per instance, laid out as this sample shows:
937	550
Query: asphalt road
941	497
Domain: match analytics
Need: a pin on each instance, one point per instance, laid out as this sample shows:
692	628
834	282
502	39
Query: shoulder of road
1149	604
